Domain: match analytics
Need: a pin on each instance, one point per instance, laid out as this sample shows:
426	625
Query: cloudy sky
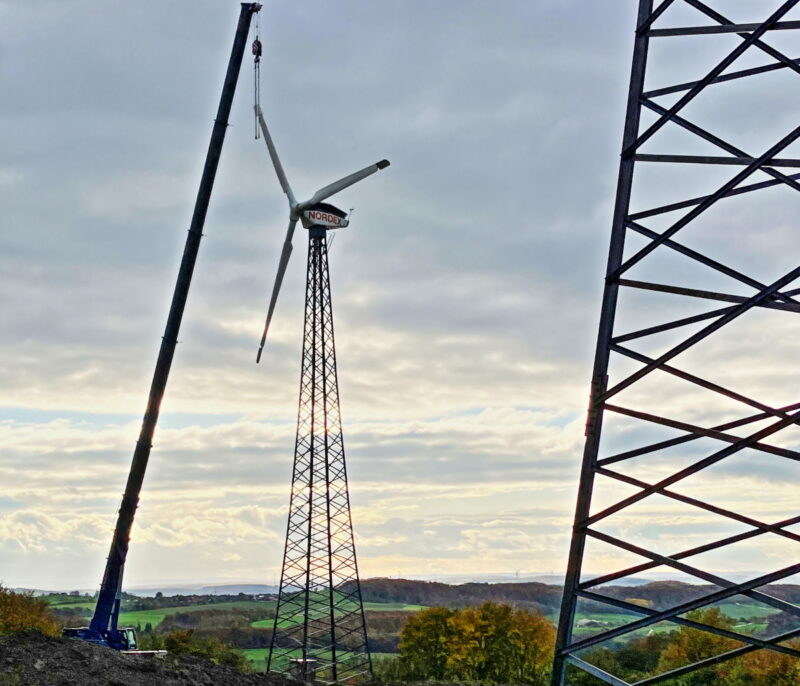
466	289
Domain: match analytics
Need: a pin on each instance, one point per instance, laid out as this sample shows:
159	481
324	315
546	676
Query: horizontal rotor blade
341	184
273	153
286	253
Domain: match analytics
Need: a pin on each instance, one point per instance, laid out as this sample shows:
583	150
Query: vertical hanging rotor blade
286	253
273	153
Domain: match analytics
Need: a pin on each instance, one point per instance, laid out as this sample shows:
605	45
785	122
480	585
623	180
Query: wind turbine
319	631
311	212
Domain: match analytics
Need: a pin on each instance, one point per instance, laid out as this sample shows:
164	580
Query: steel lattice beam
773	296
320	615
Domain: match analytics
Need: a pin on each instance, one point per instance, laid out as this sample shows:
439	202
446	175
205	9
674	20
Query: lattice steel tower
693	411
319	629
319	632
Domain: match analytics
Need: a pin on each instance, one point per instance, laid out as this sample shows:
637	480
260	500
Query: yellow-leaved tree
767	668
423	648
493	643
755	668
693	645
21	612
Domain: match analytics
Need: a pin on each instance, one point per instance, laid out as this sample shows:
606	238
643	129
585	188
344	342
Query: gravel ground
36	660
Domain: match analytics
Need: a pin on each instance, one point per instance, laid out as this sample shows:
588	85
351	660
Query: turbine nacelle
311	212
324	214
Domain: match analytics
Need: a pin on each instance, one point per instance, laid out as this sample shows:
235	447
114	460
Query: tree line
498	644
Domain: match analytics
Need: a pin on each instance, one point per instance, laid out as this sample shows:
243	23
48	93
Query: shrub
390	670
23	612
186	643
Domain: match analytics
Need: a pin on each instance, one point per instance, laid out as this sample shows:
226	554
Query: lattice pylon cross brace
772	296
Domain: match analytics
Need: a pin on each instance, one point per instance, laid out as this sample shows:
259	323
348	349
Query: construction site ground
32	659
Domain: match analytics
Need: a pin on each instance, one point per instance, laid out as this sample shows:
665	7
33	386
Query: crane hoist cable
256	74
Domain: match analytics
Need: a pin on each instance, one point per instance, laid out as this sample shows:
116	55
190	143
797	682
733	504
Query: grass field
393	607
70	601
372	607
747	611
742	611
611	618
258	657
156	616
751	616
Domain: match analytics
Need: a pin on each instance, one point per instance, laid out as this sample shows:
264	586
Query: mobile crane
103	628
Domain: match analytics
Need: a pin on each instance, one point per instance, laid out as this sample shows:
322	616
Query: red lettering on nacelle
316	215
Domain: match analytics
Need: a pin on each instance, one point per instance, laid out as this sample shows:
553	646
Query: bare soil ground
35	660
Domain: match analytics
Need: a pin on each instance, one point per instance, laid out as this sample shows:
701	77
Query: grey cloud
469	278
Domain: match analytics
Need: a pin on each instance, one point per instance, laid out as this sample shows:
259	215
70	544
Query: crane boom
106	613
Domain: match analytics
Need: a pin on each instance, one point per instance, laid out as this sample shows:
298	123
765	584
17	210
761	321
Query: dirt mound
36	660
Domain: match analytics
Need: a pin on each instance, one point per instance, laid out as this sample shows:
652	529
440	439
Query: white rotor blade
276	162
286	253
341	184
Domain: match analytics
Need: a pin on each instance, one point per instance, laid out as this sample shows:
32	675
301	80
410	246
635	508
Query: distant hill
544	597
209	589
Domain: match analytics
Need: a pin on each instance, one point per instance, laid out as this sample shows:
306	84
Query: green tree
639	657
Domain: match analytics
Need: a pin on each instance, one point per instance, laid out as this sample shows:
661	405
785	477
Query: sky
466	288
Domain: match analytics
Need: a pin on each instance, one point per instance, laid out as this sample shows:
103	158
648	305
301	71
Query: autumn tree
643	657
691	645
533	637
21	612
470	638
423	641
492	643
767	668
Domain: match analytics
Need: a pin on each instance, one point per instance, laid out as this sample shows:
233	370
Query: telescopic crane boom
103	627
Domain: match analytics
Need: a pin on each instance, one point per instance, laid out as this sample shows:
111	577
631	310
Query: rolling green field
258	657
393	607
611	618
65	601
742	611
263	624
373	607
747	611
751	617
155	617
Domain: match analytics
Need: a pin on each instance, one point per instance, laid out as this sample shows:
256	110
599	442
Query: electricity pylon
667	396
319	632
